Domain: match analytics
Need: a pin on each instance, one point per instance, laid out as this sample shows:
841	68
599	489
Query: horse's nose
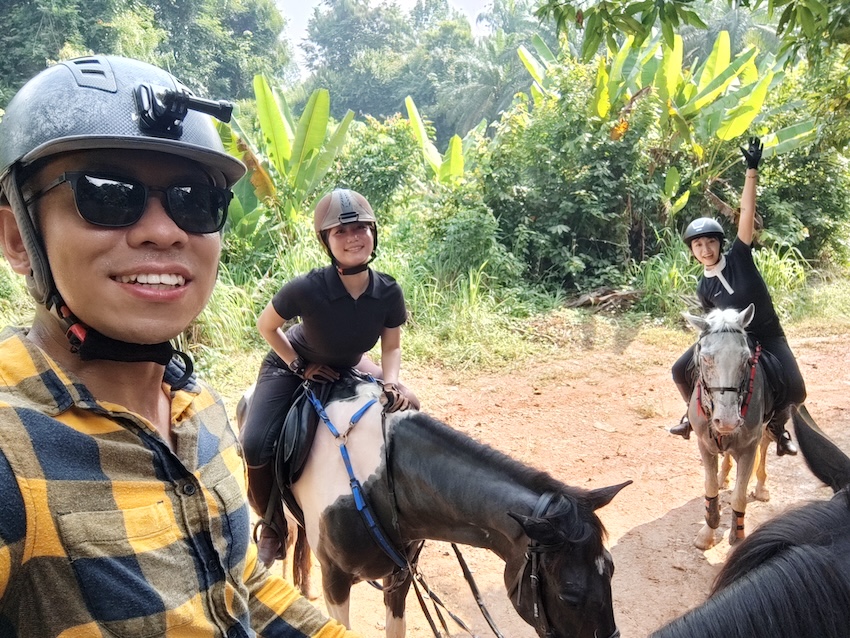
725	426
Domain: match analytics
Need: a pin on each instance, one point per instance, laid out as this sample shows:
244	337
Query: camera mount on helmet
162	110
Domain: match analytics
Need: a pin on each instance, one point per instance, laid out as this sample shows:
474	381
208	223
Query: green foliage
567	196
668	279
379	159
16	304
810	25
214	46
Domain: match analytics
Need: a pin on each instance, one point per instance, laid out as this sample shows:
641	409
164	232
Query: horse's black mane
573	499
819	523
790	578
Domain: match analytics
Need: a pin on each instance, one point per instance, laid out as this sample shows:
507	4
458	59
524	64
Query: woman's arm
391	354
747	218
270	326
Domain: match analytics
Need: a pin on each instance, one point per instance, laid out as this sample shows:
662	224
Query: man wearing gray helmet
732	280
123	509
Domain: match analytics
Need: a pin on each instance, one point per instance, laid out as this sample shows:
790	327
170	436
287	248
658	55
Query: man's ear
12	242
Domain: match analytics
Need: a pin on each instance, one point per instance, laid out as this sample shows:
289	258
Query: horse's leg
706	536
746	461
336	586
761	493
723	475
395	595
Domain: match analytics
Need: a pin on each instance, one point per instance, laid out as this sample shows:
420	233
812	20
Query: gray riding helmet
103	102
703	227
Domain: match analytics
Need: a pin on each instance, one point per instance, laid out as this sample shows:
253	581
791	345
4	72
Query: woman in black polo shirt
732	280
345	309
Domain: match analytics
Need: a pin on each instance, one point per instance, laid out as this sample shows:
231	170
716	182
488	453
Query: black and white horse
728	410
424	480
791	577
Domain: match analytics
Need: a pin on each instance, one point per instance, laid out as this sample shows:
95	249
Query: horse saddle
775	377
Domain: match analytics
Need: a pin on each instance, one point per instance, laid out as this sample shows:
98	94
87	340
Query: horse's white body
325	479
723	356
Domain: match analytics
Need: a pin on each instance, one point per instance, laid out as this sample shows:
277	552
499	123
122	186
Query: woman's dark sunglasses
116	202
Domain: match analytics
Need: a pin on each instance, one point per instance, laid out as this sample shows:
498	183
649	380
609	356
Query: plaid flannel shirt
104	531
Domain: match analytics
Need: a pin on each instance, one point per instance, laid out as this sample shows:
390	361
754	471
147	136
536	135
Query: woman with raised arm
732	280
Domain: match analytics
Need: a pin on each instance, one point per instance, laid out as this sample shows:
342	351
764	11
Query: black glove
395	399
752	154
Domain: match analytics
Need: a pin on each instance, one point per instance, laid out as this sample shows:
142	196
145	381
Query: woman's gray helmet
103	102
343	206
703	227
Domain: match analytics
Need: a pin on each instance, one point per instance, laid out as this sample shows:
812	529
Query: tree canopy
215	46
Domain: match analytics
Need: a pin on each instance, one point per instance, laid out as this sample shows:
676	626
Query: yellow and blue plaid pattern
105	531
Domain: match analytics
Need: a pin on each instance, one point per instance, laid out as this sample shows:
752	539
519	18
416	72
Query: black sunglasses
116	202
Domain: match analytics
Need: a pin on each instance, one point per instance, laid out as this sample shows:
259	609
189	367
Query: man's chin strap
93	345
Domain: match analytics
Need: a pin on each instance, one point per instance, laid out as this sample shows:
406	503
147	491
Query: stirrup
683	428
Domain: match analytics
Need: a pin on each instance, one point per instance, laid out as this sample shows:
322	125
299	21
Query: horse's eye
571	595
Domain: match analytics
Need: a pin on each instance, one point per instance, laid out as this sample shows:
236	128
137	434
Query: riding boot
784	444
683	428
264	497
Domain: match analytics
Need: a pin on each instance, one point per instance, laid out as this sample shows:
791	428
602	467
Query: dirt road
593	415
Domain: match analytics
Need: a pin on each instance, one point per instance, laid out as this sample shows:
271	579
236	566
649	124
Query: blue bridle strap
356	488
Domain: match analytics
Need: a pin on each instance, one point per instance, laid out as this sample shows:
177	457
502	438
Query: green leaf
429	151
671	182
718	60
791	138
272	125
451	168
680	203
543	51
738	120
532	65
807	20
670	71
615	76
719	84
309	138
601	98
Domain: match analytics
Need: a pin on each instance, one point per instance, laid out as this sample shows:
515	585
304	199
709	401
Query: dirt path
596	416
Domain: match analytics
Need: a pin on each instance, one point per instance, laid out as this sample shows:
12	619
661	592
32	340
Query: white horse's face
724	369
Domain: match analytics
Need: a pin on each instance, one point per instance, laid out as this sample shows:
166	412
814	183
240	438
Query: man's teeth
154	279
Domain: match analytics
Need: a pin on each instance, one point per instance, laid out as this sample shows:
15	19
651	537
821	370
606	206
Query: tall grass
669	278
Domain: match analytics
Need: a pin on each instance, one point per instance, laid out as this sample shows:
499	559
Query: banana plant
446	169
286	164
706	108
538	67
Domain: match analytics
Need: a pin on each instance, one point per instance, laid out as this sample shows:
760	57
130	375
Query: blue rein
356	488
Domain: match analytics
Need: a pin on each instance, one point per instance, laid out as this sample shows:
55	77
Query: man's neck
135	386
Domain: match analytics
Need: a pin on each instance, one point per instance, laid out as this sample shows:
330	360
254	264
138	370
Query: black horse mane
573	504
790	578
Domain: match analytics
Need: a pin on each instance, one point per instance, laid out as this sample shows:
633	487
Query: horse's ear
824	458
746	315
600	497
696	321
538	529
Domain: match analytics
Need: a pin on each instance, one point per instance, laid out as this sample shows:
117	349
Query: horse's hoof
761	494
705	538
734	538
